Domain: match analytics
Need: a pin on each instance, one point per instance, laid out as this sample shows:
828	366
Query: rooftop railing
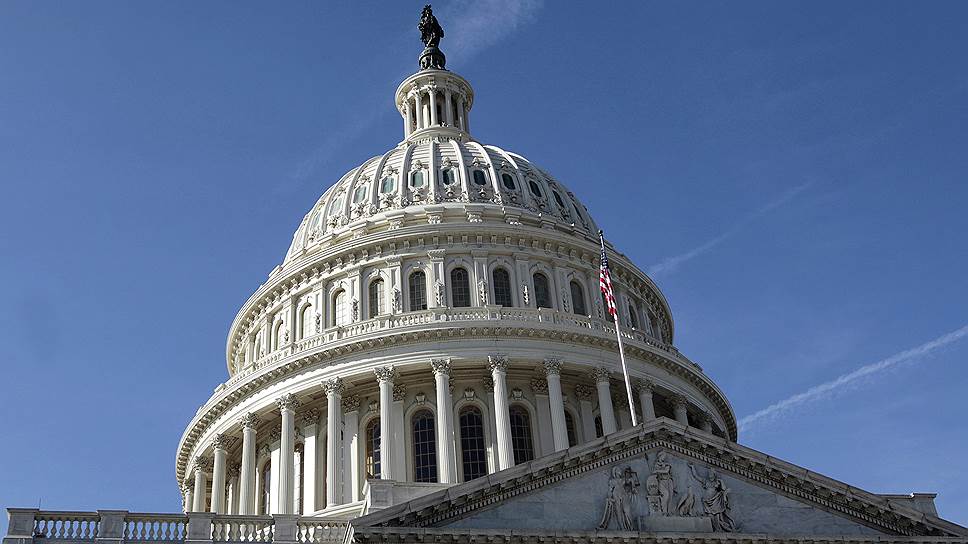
32	526
444	316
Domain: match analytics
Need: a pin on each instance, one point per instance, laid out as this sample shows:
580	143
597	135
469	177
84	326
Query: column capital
333	386
385	373
679	400
583	392
310	417
644	385
602	375
552	365
249	421
440	366
201	463
222	441
497	362
287	402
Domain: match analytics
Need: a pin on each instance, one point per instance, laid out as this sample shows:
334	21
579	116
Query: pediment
661	478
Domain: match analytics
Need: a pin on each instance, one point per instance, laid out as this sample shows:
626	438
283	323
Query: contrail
670	264
819	391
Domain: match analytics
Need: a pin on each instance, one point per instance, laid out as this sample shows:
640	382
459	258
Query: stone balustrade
30	526
450	316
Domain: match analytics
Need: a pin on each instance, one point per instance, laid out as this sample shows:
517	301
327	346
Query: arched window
460	288
418	291
577	298
653	324
372	455
570	426
472	449
633	315
307	321
377	306
521	442
535	189
542	292
558	200
337	206
264	502
277	336
340	311
502	287
424	447
599	430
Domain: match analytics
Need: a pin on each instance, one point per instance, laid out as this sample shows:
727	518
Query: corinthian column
247	477
679	408
498	365
645	388
198	497
334	396
287	440
384	376
219	444
559	430
446	459
605	410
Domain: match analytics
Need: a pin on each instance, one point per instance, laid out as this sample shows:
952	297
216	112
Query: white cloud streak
824	390
671	264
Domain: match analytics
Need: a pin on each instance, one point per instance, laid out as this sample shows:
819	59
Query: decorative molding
399	392
539	386
497	362
351	403
583	392
385	373
310	416
287	402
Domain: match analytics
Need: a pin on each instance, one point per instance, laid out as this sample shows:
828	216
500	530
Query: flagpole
621	349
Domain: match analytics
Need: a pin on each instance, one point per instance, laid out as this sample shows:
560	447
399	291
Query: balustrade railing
320	531
66	525
242	529
155	527
451	315
114	526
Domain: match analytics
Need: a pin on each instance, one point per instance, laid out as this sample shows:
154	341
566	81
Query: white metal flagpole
621	349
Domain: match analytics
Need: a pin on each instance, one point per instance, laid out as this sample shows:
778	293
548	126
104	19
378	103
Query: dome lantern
434	100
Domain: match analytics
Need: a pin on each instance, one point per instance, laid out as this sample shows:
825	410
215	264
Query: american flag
605	280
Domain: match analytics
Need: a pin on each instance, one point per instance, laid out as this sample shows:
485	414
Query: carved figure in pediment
620	501
716	500
660	487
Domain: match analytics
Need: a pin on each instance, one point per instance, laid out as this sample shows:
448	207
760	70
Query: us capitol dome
432	361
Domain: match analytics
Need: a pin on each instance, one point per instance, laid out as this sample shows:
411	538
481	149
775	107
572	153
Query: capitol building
433	361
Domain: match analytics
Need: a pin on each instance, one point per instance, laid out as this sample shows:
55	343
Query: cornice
337	352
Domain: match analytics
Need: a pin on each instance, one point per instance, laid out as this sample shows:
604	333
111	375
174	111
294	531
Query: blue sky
792	173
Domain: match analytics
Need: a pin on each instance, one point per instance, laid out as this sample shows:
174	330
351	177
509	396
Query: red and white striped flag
605	280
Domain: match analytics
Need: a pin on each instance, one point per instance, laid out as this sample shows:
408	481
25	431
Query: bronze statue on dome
430	34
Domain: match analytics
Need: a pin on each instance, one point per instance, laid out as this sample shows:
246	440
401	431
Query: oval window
535	190
387	184
480	178
417	179
560	202
508	182
449	176
337	206
359	193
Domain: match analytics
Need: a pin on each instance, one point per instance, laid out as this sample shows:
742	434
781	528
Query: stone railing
32	526
444	316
